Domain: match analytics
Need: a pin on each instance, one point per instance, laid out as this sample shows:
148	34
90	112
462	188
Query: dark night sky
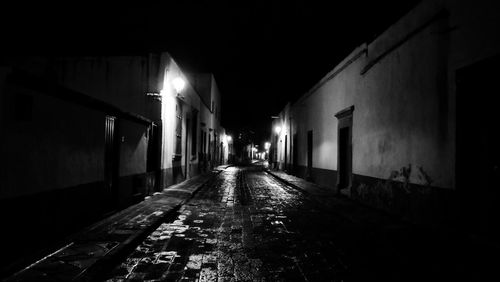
262	53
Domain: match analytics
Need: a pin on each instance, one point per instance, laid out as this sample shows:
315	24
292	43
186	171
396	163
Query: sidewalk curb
340	197
311	196
288	183
100	267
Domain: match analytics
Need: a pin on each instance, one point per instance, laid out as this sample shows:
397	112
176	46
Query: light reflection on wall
168	104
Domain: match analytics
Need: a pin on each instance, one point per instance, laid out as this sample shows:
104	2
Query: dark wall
48	143
53	174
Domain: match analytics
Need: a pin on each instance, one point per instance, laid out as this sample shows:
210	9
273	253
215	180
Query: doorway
344	150
153	156
309	155
286	154
295	154
111	161
186	148
177	172
344	157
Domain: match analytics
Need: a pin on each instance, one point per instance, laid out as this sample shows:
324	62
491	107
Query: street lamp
267	145
178	83
277	129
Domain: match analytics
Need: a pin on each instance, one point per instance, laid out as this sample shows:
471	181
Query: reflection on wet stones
245	226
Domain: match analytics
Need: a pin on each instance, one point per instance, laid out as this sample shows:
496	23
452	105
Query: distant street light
277	129
267	145
229	138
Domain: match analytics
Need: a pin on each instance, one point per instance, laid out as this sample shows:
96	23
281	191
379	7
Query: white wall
404	103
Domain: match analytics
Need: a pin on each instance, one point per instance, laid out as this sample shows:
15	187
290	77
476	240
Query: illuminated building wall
197	108
385	125
83	138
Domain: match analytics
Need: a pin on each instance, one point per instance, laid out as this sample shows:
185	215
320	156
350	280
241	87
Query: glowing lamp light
178	83
277	129
267	145
229	138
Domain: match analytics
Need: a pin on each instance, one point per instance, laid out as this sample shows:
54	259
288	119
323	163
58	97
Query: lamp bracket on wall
154	95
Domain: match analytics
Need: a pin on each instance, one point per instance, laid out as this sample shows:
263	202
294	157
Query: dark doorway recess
209	149
177	172
153	155
194	131
295	155
221	157
309	155
344	149
286	153
111	160
478	151
186	147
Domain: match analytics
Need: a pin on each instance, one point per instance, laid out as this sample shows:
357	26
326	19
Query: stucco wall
404	102
51	149
62	143
196	96
402	86
121	81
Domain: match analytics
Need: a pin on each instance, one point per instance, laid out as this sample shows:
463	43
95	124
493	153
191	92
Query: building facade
406	122
87	136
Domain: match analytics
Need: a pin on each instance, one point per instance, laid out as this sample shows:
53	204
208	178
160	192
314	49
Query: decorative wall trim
345	112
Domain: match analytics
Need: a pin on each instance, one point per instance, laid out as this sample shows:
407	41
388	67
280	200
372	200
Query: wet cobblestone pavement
246	226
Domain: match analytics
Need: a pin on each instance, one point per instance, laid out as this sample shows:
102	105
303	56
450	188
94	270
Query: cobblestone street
252	224
271	141
247	227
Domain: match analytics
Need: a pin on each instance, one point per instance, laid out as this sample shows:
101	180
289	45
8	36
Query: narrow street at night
247	225
302	140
